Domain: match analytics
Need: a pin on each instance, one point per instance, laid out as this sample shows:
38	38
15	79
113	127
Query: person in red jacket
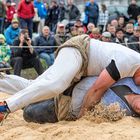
10	11
26	13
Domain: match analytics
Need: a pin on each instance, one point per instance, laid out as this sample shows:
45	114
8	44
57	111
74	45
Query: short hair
119	29
54	1
95	31
129	22
24	31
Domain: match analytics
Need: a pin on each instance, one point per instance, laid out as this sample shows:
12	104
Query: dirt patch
101	113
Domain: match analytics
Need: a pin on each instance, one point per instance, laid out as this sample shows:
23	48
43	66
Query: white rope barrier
49	47
129	43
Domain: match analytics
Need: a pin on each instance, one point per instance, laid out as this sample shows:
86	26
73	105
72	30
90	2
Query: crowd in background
30	30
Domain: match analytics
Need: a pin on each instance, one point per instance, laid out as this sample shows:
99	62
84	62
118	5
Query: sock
3	108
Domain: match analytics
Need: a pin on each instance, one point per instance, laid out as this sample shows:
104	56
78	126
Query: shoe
4	111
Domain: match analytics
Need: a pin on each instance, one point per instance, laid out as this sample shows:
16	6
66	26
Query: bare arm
136	77
96	91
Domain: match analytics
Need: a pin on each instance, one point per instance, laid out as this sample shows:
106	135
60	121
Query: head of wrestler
136	104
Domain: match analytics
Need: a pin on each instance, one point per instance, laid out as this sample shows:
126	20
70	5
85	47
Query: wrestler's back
101	54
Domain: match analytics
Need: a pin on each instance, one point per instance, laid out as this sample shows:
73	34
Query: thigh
31	62
23	23
52	56
16	60
2	65
28	63
7	65
30	23
44	56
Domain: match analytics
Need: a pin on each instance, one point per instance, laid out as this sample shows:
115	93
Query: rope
129	43
49	47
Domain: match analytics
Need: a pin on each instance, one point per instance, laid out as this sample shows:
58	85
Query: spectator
46	40
36	21
62	11
42	13
95	34
103	17
120	38
138	21
133	10
135	38
2	15
79	24
121	22
80	31
73	31
92	12
106	37
129	29
10	11
112	30
90	27
53	15
115	23
73	11
61	35
5	53
23	55
26	13
12	32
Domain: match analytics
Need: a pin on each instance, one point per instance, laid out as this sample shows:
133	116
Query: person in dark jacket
23	55
53	15
92	12
120	37
129	28
133	10
112	30
134	39
73	11
62	11
26	13
46	40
